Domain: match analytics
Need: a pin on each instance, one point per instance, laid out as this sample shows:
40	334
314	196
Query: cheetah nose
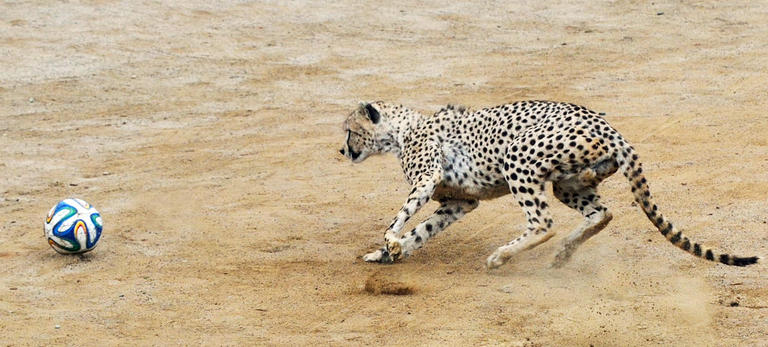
341	151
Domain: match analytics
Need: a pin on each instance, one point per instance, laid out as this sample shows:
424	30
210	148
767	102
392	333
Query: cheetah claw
395	250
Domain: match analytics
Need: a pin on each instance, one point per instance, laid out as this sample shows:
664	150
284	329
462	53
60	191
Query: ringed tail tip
738	261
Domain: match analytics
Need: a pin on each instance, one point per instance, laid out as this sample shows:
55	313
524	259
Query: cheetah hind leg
580	193
590	227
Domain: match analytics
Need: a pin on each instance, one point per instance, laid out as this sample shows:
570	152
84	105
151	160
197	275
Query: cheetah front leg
533	202
393	250
448	212
526	182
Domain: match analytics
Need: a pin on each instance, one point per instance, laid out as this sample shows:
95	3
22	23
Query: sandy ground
207	135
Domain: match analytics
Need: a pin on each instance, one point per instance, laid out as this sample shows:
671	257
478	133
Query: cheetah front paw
395	249
379	256
389	254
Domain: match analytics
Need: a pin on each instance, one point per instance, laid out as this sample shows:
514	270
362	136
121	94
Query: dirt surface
207	136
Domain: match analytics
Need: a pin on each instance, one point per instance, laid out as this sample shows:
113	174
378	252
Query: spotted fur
459	157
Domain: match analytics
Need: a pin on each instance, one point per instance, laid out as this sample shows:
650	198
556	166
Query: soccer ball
73	226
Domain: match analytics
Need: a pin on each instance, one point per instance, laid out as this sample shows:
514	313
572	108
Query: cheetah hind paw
494	260
563	256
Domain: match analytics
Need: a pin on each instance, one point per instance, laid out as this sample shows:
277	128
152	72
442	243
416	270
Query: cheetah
458	157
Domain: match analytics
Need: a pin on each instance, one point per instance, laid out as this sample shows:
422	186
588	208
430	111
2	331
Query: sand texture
207	135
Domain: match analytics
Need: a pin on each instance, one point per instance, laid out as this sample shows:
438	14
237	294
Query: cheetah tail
631	167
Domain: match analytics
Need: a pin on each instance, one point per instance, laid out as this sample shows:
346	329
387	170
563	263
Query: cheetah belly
454	192
459	182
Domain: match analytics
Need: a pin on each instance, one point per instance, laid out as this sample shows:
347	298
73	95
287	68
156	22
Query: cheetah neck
403	124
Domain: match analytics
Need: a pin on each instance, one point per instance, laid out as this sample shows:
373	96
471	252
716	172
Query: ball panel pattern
73	226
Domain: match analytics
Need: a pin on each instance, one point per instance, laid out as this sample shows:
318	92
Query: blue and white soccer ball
73	226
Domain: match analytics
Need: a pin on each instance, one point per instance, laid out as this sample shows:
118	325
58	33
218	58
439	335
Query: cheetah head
368	131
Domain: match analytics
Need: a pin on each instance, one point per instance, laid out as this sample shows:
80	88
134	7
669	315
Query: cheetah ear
373	115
